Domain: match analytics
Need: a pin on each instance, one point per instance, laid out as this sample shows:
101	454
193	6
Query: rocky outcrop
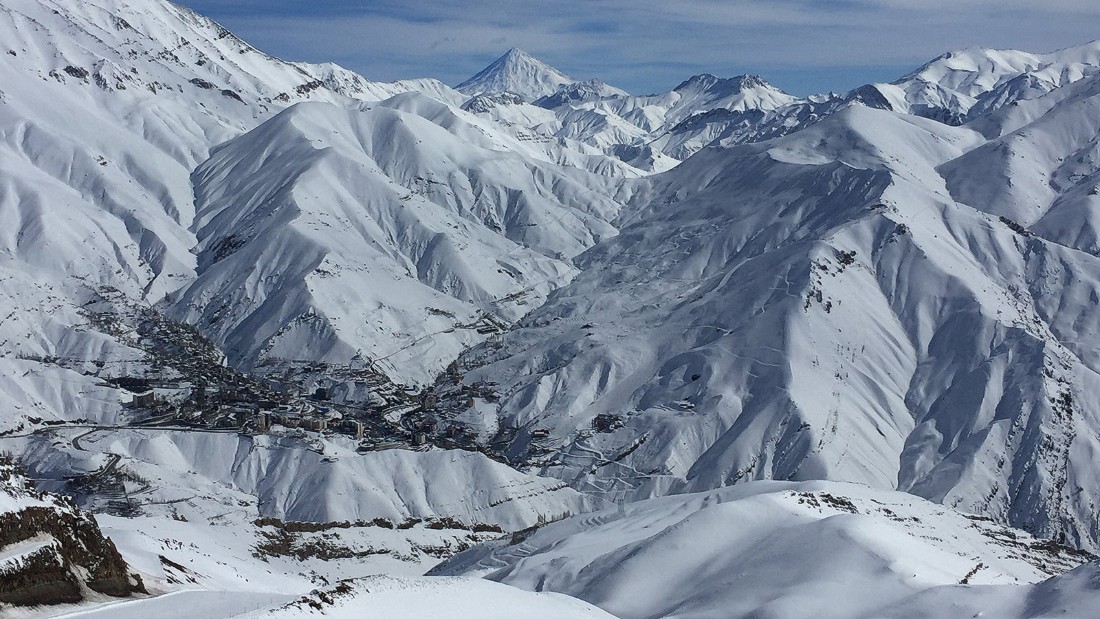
50	551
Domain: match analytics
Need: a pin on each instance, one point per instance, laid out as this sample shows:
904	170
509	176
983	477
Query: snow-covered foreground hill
765	548
377	596
783	550
216	531
231	568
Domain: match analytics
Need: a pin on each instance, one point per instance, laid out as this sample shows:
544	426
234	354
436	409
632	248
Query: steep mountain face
823	306
777	549
50	551
519	73
106	201
392	231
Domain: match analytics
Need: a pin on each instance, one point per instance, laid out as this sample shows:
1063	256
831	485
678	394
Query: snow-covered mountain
966	84
654	132
855	301
392	231
519	73
579	92
110	201
368	325
954	88
660	114
635	129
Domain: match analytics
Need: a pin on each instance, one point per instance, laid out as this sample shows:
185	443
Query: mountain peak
588	90
709	82
516	72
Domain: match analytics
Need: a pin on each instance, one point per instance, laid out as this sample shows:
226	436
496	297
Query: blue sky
803	46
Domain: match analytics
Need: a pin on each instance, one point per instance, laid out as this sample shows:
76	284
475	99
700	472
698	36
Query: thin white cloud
651	44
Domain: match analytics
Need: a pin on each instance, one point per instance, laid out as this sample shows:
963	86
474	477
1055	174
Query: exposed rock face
40	578
50	550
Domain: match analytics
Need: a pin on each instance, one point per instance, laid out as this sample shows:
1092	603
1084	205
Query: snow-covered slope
819	306
777	550
1074	594
519	73
457	598
874	295
195	473
384	596
969	83
390	231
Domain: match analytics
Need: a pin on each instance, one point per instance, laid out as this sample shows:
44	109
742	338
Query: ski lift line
416	342
725	330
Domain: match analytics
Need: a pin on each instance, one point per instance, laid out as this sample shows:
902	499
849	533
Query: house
263	422
606	422
143	399
354	428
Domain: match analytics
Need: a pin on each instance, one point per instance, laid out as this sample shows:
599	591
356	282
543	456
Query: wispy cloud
647	45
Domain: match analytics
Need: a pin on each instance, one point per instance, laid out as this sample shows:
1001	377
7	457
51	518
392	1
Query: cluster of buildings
316	421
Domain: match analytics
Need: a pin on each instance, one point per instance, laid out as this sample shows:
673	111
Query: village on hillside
185	383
